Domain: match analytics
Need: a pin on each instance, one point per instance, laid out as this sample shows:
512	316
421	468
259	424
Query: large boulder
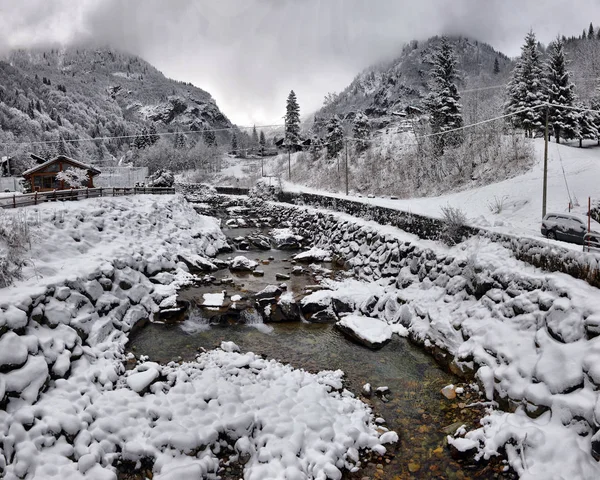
367	331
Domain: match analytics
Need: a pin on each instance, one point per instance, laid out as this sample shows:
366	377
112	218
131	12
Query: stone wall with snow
580	265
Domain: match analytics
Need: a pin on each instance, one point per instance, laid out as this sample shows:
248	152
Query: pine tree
30	109
234	143
141	140
591	32
180	141
442	102
254	137
525	89
584	35
316	144
209	138
560	91
61	148
361	131
496	66
335	137
588	123
292	120
262	142
595	105
152	134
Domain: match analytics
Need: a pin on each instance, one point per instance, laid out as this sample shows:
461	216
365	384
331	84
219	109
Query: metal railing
591	242
37	198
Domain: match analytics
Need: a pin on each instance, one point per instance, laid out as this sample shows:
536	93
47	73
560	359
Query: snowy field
521	196
70	408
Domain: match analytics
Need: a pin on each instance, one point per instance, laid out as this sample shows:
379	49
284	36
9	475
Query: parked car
569	227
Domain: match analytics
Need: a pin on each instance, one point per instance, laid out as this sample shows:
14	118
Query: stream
414	406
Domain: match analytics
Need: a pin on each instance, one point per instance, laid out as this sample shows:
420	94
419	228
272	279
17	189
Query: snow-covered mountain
386	89
89	93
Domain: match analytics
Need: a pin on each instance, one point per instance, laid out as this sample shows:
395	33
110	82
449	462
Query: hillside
386	89
82	93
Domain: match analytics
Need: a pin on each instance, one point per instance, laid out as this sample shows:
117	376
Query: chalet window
48	182
37	182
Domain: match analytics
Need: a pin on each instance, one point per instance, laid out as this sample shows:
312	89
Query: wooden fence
37	198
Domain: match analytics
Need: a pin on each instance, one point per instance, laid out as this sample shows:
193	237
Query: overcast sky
249	53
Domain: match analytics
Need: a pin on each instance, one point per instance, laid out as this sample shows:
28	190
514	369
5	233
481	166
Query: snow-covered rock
314	254
371	332
242	264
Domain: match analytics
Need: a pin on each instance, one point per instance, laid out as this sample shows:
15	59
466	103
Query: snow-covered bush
266	190
161	178
454	220
74	177
14	242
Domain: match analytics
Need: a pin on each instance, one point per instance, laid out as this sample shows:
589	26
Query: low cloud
249	53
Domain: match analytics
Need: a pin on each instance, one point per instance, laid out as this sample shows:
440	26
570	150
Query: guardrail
37	198
591	242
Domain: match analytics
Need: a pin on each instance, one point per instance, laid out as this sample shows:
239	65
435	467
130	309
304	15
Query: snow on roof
76	163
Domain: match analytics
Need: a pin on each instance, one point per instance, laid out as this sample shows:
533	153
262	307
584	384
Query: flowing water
414	406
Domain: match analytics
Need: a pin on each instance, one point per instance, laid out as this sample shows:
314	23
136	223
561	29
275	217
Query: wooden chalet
42	177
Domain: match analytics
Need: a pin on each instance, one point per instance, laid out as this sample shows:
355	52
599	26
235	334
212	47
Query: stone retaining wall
578	264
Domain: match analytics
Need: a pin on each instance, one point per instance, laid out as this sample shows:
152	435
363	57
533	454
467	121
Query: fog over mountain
249	53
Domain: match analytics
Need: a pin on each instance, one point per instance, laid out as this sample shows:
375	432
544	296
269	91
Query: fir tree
496	66
584	35
262	142
292	120
152	134
141	140
591	32
361	131
588	123
316	144
254	137
335	137
61	148
30	109
595	117
442	102
560	91
209	138
525	89
234	143
180	141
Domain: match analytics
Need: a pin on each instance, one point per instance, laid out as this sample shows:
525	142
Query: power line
139	135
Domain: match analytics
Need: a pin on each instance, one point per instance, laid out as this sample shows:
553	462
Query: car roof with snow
581	217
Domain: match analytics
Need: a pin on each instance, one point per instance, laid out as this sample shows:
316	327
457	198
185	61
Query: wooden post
35	198
545	186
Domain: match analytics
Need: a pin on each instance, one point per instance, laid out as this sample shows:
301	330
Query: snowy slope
521	195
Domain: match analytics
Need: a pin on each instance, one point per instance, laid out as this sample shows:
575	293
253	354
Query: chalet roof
63	158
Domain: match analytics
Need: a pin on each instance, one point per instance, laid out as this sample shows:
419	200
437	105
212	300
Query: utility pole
346	167
545	187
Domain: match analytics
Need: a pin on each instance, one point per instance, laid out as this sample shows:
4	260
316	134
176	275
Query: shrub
496	206
454	220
